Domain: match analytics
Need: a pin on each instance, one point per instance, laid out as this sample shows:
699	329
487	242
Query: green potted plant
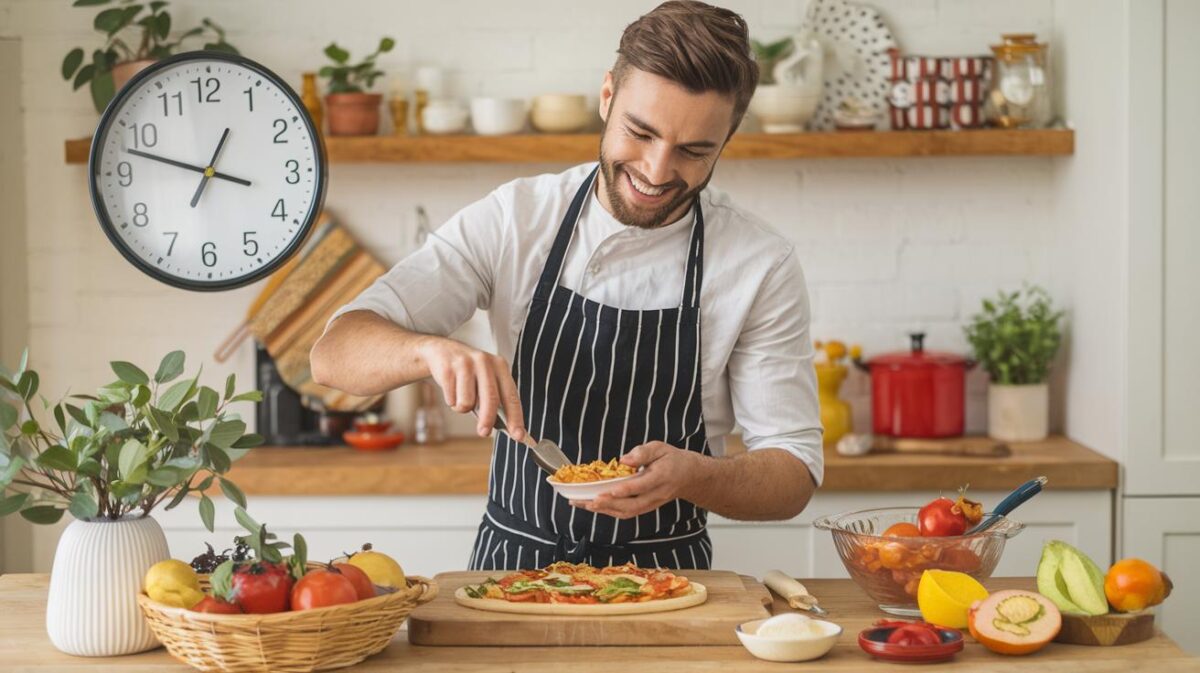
1015	338
110	459
790	81
135	35
351	110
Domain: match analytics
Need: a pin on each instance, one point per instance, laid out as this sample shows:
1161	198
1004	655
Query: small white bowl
788	649
498	116
587	490
444	116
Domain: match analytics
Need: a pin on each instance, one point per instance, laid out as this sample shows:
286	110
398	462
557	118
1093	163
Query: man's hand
667	473
469	378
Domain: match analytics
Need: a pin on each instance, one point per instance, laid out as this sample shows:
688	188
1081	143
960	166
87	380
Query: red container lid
917	356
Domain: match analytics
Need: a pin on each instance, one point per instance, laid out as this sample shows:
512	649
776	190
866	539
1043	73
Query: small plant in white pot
790	81
109	459
1015	338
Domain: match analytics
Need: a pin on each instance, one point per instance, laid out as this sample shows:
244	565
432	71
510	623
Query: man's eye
635	134
693	154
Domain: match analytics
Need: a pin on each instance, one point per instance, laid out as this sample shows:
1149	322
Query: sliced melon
1084	580
1049	580
990	621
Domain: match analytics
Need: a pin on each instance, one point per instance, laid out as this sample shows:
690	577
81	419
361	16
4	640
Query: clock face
206	171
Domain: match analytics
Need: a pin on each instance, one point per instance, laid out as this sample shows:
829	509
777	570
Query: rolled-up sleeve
439	286
772	382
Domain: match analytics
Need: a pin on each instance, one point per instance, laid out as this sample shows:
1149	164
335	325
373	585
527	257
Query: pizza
582	584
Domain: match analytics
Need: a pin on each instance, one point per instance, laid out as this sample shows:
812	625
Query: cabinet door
1164	242
1166	532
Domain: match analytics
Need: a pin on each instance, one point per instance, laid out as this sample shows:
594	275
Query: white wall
887	245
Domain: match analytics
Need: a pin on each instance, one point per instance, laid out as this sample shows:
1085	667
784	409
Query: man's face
659	146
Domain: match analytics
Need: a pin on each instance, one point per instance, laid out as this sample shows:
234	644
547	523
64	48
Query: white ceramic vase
98	568
1018	413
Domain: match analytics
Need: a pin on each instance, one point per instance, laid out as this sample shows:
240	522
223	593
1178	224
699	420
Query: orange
902	529
1133	584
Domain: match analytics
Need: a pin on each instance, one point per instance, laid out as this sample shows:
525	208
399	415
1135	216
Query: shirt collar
595	214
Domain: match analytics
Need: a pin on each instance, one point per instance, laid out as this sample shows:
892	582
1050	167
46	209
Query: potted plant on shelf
790	81
1015	338
128	23
351	110
109	459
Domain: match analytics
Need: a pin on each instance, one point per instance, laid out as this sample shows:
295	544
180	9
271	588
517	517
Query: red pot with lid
918	393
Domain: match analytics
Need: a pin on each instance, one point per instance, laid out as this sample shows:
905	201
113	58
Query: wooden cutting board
732	599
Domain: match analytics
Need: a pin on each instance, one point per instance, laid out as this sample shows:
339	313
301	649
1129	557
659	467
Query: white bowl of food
588	480
789	637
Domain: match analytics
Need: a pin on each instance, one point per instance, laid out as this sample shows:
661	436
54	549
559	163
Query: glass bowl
889	568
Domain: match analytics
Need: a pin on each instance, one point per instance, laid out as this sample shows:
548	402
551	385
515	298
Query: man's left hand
668	473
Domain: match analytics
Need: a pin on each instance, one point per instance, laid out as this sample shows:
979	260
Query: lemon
381	568
944	597
173	583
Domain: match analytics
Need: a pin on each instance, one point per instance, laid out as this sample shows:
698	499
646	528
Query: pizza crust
699	595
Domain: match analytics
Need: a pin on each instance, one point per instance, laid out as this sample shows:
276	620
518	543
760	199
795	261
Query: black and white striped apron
599	380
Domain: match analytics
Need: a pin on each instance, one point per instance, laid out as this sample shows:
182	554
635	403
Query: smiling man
642	312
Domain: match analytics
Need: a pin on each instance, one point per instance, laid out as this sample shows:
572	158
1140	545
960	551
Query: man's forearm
762	485
363	353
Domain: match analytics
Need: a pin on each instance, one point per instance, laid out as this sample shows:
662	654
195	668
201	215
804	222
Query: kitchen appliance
917	393
732	600
283	419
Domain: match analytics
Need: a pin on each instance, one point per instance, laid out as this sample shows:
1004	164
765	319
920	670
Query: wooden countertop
25	647
460	466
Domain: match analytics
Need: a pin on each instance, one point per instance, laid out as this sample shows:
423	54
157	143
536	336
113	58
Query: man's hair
701	47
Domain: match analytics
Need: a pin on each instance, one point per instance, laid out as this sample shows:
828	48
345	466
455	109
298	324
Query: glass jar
1020	92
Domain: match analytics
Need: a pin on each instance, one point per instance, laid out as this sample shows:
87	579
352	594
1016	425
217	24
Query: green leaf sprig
345	77
1016	336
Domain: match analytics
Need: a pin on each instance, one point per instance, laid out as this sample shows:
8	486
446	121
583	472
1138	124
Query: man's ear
607	91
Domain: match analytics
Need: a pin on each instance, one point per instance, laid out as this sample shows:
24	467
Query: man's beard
638	217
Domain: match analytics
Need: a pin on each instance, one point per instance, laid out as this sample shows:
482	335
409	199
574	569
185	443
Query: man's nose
660	167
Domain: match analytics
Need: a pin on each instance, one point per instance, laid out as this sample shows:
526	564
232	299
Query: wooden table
460	467
24	647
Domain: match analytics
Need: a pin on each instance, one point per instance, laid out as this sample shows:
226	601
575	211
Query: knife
544	452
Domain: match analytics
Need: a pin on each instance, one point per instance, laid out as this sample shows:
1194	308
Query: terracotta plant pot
353	114
123	72
1018	413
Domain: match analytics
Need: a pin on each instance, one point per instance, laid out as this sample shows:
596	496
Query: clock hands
190	167
210	169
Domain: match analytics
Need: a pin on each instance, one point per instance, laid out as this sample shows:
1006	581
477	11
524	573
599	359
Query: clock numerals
282	126
279	210
211	85
124	174
250	97
208	254
293	167
140	215
249	245
148	136
171	246
166	106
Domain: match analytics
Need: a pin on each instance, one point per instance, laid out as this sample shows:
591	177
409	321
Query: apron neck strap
552	270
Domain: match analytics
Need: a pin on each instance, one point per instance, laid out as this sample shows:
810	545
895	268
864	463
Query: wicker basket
293	642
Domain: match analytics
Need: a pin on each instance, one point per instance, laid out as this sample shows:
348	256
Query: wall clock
206	171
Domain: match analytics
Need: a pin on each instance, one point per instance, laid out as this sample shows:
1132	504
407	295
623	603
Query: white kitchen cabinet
1166	532
430	534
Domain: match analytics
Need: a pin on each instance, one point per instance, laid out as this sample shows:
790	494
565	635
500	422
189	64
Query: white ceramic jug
98	568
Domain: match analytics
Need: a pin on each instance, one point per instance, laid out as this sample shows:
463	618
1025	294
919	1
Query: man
642	314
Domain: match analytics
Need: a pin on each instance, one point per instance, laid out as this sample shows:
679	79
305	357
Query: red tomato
362	583
914	634
321	589
261	587
216	606
902	529
941	518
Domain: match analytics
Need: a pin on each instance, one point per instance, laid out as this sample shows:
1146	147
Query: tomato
362	583
216	606
261	587
941	518
914	634
902	529
321	589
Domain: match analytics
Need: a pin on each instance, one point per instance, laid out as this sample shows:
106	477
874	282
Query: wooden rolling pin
793	592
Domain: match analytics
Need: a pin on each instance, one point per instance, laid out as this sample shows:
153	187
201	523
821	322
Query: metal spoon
544	452
1009	503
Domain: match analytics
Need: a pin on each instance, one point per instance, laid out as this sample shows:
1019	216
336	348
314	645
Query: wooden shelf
577	148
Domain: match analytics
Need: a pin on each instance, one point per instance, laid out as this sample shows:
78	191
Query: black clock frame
108	118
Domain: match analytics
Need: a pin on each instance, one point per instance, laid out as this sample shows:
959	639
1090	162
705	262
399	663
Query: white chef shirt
756	352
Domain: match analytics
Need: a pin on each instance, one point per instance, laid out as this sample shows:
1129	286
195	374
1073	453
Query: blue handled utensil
1009	503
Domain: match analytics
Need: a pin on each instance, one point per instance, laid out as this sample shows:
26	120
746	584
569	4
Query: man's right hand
471	378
